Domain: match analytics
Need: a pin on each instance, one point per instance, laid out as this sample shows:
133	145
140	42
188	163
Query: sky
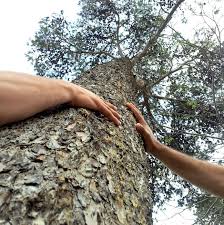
19	21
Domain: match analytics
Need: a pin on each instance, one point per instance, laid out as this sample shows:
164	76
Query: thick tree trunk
75	167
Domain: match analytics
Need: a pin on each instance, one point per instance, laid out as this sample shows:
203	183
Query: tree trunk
73	166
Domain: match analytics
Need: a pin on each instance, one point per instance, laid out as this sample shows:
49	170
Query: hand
143	128
82	97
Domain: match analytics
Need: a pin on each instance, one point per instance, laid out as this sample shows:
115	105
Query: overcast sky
18	22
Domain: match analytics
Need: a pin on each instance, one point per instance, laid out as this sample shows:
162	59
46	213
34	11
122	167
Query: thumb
141	130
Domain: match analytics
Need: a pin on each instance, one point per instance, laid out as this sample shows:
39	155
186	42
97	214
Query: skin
205	175
29	95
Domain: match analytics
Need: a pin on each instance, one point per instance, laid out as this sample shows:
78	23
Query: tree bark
72	166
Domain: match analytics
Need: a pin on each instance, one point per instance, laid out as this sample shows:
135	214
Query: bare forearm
203	174
24	95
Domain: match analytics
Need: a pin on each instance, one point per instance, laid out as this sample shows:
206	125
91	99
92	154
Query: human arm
23	95
205	175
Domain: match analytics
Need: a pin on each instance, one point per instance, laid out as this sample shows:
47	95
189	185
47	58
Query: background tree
178	81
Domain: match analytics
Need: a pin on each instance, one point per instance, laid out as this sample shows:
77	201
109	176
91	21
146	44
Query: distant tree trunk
73	166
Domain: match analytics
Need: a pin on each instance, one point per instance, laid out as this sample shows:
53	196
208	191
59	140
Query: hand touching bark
82	97
143	128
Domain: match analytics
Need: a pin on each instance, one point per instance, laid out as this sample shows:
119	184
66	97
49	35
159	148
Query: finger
136	113
106	112
114	112
111	105
113	108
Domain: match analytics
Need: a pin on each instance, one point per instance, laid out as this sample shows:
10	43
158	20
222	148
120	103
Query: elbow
2	123
221	192
219	188
3	120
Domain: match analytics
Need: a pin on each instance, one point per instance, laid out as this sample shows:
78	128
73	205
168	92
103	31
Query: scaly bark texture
73	166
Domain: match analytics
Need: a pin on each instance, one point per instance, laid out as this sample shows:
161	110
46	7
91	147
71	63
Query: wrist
154	146
66	89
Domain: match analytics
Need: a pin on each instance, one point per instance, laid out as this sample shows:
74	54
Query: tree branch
193	134
171	72
120	52
188	41
168	98
94	53
186	208
80	51
152	118
152	40
208	210
218	36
